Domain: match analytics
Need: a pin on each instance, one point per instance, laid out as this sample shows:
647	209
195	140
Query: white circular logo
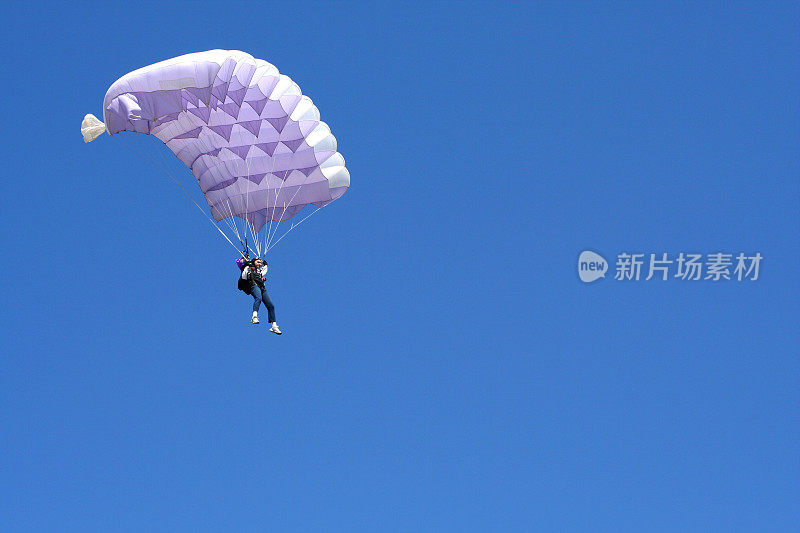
591	266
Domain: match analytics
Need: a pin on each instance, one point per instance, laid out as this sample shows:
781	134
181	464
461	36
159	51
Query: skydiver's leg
268	303
255	292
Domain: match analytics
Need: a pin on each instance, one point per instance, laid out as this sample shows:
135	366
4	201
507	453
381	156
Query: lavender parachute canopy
254	142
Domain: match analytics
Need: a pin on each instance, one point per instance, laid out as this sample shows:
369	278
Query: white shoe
274	329
254	320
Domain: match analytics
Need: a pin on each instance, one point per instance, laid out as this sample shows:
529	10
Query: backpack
243	284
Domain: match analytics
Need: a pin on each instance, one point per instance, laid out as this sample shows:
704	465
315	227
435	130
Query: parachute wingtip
91	128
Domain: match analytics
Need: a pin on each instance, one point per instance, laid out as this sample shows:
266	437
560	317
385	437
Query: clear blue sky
442	367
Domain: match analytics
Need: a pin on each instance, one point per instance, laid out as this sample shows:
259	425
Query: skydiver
252	282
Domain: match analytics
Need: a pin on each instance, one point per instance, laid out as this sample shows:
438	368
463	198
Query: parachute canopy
254	142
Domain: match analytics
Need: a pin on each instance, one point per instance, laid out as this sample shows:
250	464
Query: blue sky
442	367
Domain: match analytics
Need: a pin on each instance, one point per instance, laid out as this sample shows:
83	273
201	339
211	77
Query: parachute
253	141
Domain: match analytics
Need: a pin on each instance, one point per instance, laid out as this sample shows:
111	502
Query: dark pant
260	295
